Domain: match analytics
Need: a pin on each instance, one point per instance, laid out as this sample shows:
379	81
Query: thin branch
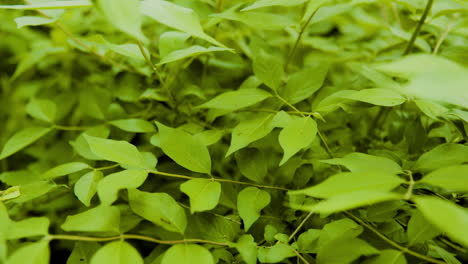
156	72
132	236
71	128
410	45
173	175
393	243
298	228
298	39
300	256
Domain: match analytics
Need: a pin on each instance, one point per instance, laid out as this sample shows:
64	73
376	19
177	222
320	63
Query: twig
409	47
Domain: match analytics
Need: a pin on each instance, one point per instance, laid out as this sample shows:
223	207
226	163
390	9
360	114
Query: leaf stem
298	39
71	128
298	228
391	242
409	192
411	42
173	175
156	72
132	236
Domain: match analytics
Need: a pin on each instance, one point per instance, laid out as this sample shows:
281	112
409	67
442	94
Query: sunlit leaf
203	193
449	218
110	185
184	149
250	202
187	254
118	252
115	150
159	208
102	218
236	99
298	134
124	15
22	139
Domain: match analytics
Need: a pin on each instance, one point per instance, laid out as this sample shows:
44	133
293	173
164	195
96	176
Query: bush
211	131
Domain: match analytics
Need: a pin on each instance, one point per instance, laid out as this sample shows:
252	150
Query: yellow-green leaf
22	139
298	134
203	193
184	149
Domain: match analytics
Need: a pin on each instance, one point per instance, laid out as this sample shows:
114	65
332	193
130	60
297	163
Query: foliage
235	131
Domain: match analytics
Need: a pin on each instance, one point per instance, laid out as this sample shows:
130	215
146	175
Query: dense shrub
211	131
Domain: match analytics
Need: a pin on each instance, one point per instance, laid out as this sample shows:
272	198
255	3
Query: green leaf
187	254
298	134
34	226
448	217
269	69
170	41
257	20
50	5
250	202
247	248
420	230
445	255
178	17
431	77
109	187
124	15
250	130
349	250
252	164
203	193
453	178
102	218
64	169
118	252
235	100
159	208
22	139
34	253
209	137
184	149
42	109
348	182
351	200
387	256
82	252
25	21
133	125
378	96
342	229
275	254
116	150
128	49
442	156
360	162
86	186
268	3
304	83
187	53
